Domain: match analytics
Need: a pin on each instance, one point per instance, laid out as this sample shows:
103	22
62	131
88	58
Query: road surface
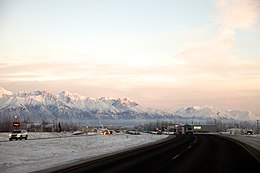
184	153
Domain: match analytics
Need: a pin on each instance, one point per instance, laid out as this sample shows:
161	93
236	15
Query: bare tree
6	124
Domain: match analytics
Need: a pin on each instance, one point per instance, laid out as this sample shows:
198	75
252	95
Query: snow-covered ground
52	149
42	135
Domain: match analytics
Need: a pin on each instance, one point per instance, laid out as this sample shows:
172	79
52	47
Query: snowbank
32	155
251	140
38	135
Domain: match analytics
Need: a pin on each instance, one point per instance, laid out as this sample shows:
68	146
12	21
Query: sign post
16	122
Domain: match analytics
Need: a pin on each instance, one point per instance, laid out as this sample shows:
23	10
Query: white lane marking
185	149
175	156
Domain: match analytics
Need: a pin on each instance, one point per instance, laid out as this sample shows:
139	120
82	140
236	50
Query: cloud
214	58
236	14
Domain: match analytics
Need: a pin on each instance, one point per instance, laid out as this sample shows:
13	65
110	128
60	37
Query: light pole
16	122
257	121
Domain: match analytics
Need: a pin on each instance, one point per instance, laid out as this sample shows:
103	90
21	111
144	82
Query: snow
4	92
78	105
46	150
251	140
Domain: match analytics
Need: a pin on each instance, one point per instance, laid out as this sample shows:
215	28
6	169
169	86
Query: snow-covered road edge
249	143
251	140
33	155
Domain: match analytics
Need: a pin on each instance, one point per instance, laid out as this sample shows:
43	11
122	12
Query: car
159	132
168	133
189	131
105	132
18	134
133	132
249	132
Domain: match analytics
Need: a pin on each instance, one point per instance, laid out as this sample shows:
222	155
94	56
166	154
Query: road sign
16	124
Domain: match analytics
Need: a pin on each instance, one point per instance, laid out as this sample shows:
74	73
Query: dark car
189	131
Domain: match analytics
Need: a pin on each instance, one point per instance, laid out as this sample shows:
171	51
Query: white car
18	134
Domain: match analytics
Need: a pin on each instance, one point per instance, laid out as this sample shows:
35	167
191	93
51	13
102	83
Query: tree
6	124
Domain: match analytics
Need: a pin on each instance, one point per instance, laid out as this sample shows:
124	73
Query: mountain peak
68	96
4	92
129	102
66	93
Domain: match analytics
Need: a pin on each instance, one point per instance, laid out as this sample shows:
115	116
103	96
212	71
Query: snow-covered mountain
66	106
4	92
213	113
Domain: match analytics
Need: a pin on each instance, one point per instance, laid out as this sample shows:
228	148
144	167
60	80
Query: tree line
6	125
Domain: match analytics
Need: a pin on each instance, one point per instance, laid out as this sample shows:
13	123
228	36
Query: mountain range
66	106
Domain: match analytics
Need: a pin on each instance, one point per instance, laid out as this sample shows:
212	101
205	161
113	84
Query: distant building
200	128
204	128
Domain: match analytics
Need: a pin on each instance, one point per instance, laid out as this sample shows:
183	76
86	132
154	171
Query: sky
162	54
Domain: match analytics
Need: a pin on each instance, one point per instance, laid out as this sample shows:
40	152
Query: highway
184	153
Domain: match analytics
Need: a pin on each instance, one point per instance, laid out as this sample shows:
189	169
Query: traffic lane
145	159
213	153
154	160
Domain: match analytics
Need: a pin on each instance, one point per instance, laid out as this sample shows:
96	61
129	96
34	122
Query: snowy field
35	135
51	149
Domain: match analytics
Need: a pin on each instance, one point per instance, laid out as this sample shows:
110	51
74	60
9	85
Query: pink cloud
237	14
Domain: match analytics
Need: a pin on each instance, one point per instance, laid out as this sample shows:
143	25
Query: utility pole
257	121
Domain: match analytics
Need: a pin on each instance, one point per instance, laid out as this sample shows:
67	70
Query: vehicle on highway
133	132
168	133
189	131
18	134
105	132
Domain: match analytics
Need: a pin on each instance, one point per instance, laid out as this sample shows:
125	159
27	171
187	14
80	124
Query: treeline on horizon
6	125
